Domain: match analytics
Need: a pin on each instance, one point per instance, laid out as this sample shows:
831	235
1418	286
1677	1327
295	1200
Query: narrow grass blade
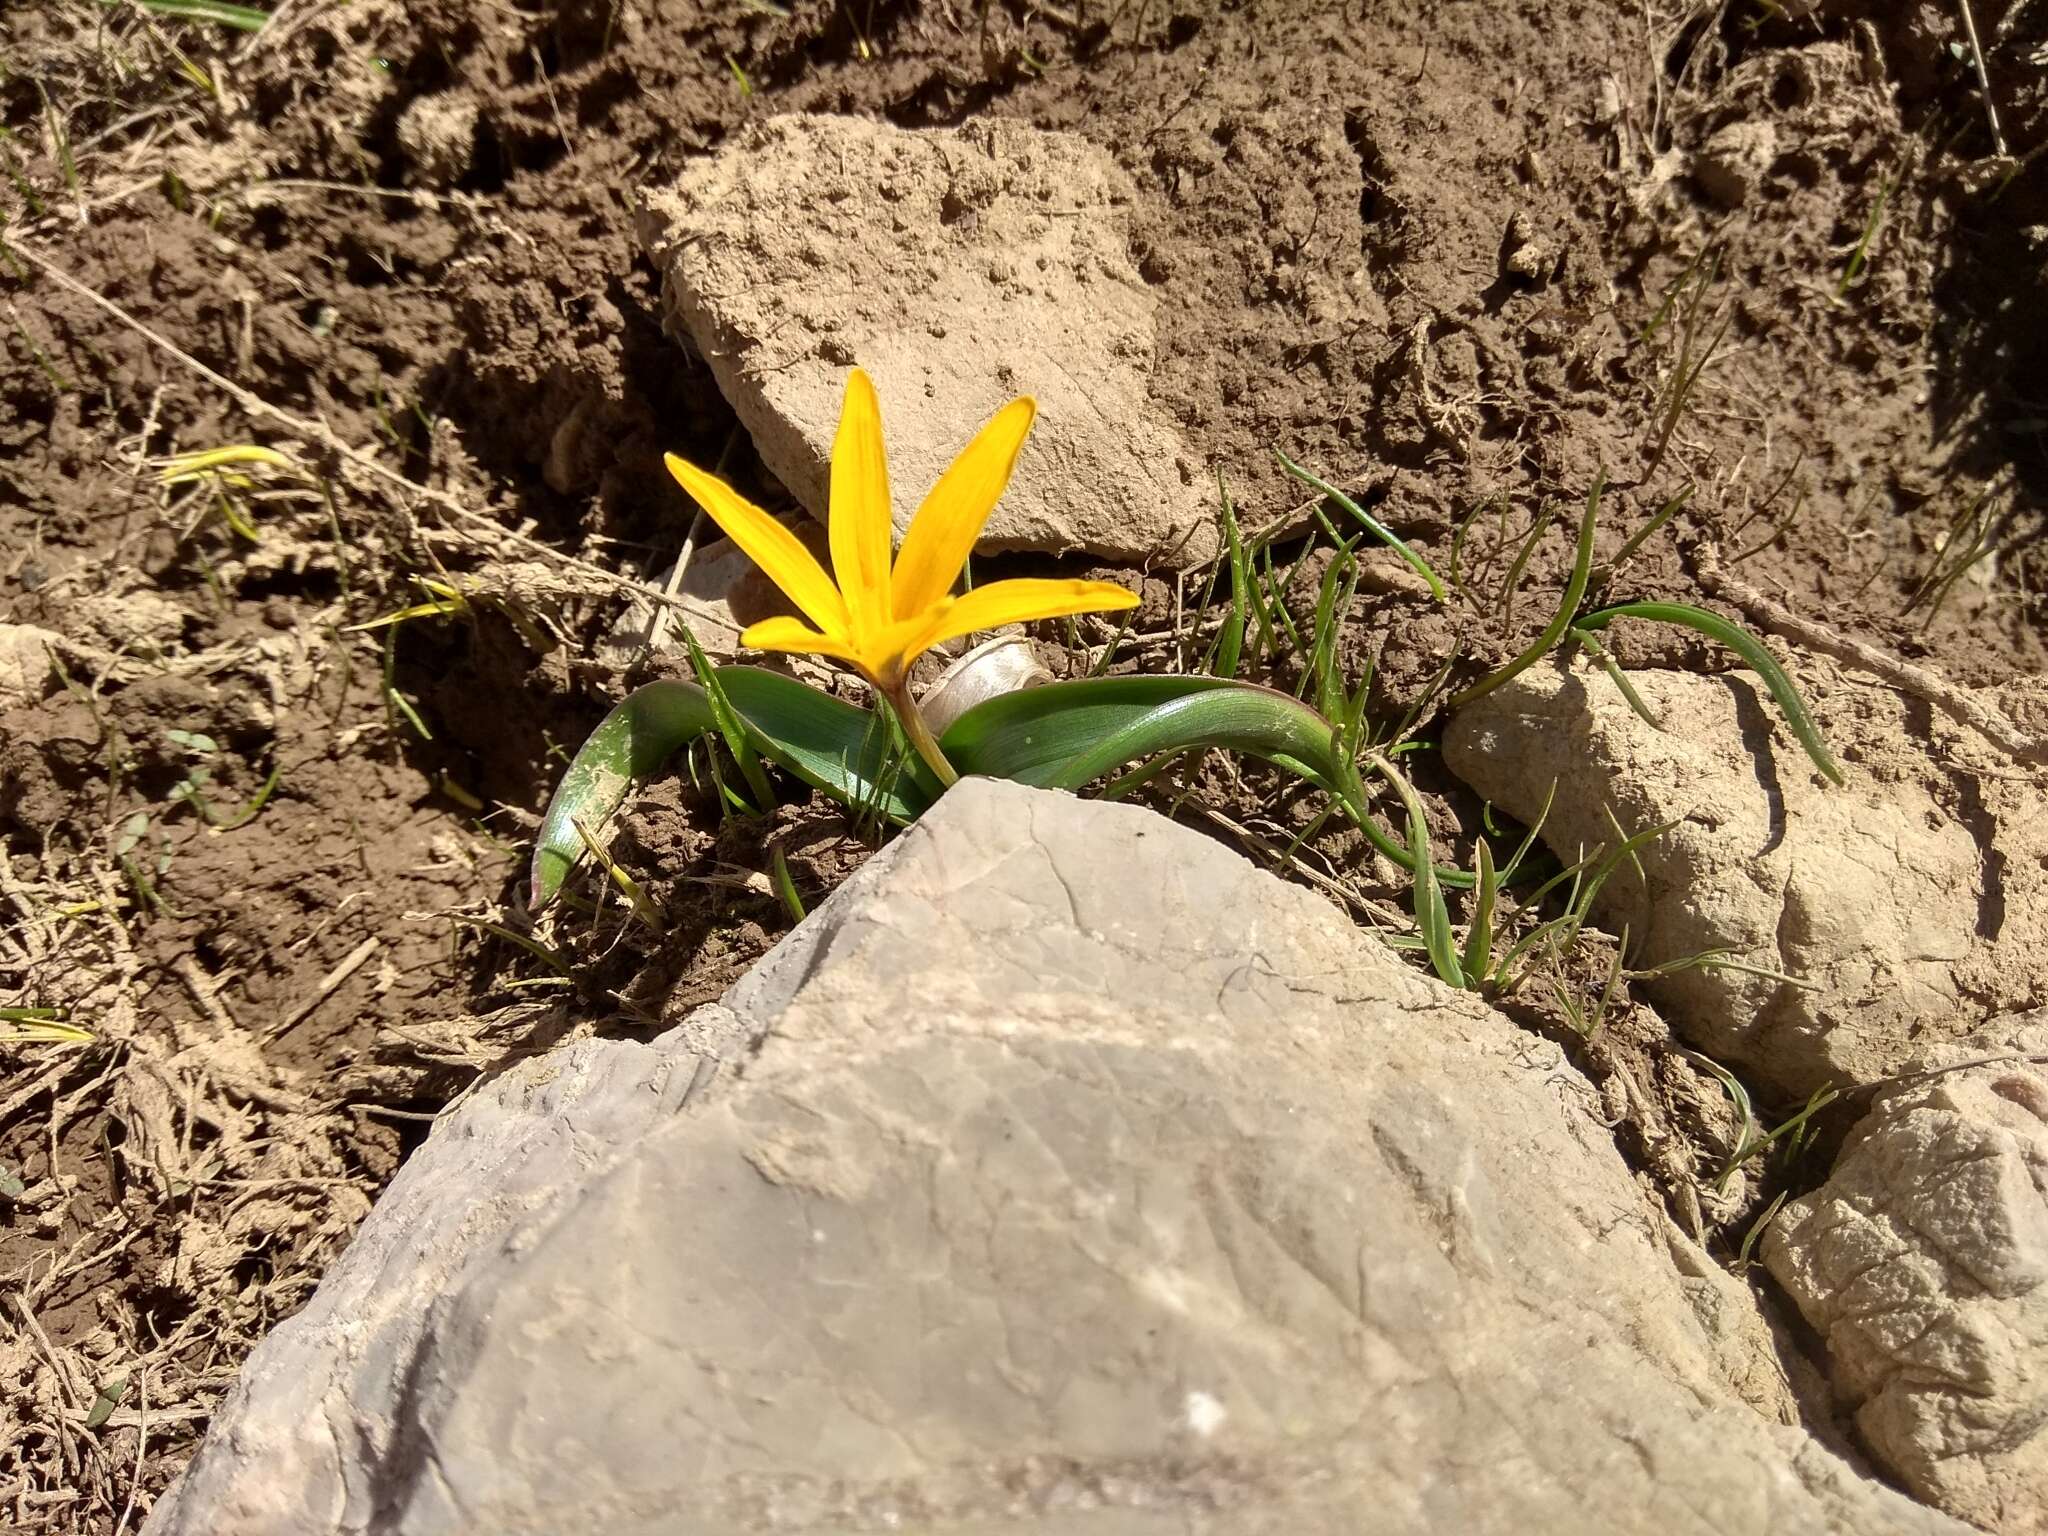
1568	603
1750	649
1372	525
1479	931
1230	639
785	887
1618	677
729	727
1432	917
244	18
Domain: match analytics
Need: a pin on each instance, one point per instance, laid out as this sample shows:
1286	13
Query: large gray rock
1064	1175
959	267
1923	1264
1870	895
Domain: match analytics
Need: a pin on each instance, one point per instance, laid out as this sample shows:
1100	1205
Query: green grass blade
1373	525
1574	590
1618	677
785	887
244	18
730	728
1641	536
1750	649
1230	639
1432	916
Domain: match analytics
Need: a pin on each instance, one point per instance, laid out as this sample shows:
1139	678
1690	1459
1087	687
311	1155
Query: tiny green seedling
1871	226
1689	294
785	887
1751	1139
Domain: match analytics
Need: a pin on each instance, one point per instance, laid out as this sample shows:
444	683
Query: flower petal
950	519
766	542
860	521
783	633
1017	602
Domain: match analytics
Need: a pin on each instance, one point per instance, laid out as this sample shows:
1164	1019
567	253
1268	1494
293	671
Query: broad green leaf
1061	736
1064	735
824	741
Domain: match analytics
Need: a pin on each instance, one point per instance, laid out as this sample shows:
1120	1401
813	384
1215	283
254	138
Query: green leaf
1064	735
106	1402
730	728
824	741
1568	603
1478	952
1750	649
1061	736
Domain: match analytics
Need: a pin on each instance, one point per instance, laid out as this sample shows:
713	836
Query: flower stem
920	734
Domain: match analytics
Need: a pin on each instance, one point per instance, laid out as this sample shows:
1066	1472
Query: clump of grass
1569	624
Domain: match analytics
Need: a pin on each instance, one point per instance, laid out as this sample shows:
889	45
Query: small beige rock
1868	894
1923	1265
959	267
25	668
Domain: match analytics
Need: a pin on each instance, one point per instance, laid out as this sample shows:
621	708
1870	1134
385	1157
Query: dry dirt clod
438	135
1733	162
25	662
959	268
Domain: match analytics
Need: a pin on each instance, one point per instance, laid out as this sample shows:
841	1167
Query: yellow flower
876	616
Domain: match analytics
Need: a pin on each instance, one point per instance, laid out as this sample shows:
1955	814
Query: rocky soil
274	734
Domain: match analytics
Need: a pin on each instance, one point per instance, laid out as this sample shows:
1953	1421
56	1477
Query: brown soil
1453	256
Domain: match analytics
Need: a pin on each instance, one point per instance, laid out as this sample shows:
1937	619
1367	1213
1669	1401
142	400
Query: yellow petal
767	543
1018	602
860	521
784	633
942	534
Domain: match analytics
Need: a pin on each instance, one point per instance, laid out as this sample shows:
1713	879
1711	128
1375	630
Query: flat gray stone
960	268
1062	1174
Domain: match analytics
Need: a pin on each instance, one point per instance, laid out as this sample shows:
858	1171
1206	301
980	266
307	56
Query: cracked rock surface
1923	1265
1062	1174
960	267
